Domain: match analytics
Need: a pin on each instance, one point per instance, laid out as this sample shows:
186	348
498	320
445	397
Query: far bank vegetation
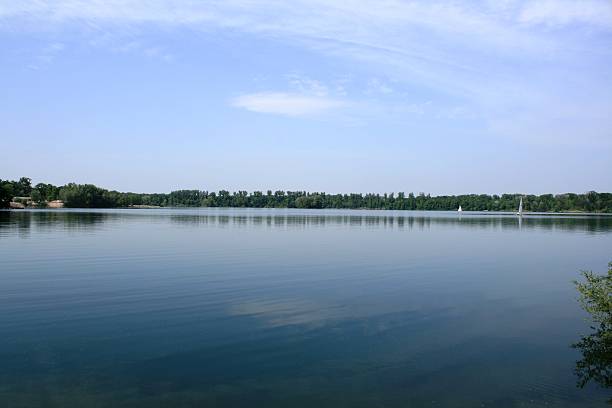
89	196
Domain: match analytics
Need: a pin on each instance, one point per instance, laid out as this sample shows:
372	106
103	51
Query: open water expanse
294	308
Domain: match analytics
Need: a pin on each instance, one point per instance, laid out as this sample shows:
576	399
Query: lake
294	308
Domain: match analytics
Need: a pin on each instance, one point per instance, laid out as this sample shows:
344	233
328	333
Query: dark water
245	308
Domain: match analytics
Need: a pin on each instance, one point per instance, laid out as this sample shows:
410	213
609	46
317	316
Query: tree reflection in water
596	348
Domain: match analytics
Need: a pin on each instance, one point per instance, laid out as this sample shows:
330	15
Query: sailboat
460	209
520	210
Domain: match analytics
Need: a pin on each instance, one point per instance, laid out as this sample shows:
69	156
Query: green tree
86	196
6	193
596	348
23	187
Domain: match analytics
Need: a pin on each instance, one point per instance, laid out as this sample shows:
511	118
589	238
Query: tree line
90	196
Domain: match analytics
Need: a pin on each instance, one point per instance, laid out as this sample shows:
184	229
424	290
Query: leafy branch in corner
596	298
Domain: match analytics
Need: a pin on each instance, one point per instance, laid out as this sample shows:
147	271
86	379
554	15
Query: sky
441	97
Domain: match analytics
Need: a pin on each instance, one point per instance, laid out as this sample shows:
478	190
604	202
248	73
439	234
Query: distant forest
90	196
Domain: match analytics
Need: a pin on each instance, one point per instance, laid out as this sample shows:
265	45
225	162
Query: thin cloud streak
554	13
287	104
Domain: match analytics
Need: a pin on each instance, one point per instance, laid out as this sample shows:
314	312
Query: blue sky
338	96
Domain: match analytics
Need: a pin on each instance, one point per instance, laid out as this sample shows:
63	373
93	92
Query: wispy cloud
47	55
502	58
117	44
304	84
287	104
305	97
378	86
416	41
565	12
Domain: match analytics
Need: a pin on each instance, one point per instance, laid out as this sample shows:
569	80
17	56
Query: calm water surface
245	308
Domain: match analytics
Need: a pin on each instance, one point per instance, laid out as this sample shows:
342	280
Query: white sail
460	209
520	210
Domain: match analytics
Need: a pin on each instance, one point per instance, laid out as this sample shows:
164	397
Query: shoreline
316	210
